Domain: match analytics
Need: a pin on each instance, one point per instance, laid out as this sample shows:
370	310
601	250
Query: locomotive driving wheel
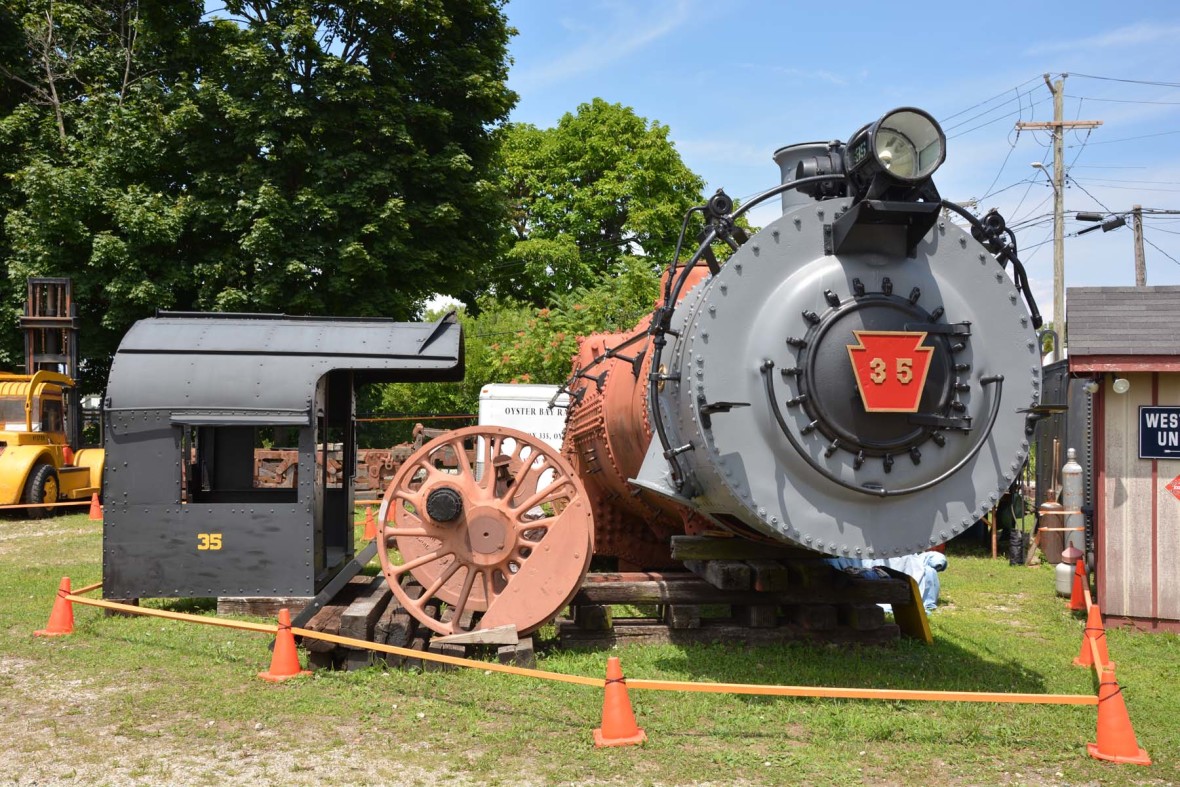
488	520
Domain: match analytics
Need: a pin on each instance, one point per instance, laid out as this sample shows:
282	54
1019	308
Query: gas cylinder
1063	577
1072	498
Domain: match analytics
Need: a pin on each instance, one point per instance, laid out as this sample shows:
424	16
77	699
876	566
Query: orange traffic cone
618	720
1093	631
1077	598
1116	739
95	508
370	525
284	662
61	617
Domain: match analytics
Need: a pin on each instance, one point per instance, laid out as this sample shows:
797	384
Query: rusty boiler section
607	435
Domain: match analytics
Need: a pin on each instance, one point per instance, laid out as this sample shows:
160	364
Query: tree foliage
601	185
301	157
519	343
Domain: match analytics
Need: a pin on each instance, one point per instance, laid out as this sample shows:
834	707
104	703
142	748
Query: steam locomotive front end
856	378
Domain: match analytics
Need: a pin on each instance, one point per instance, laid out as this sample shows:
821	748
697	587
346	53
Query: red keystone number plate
890	369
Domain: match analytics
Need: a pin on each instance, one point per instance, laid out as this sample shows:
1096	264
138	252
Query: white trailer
526	408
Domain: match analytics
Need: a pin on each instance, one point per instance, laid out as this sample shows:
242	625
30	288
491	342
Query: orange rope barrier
264	628
269	628
864	694
1098	663
653	685
455	660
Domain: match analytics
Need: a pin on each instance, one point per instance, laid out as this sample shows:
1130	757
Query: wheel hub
487	533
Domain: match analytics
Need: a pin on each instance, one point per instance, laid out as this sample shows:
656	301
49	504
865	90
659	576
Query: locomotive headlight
906	144
888	165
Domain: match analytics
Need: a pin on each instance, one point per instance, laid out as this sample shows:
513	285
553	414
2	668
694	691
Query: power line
1018	112
1129	139
1127	101
1031	181
1091	196
1121	180
1138	188
1032	210
986	112
1031	221
1161	251
1005	188
1000	171
1128	81
1085	141
993	98
1036	247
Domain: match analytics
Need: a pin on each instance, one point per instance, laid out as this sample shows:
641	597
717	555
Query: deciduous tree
601	185
299	156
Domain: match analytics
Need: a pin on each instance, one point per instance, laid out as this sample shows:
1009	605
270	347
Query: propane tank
1064	571
1071	498
1063	576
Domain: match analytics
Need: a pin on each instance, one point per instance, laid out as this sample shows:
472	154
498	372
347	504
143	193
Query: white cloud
725	151
802	74
1123	37
623	30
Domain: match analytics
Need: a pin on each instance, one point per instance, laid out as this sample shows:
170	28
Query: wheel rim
50	492
506	533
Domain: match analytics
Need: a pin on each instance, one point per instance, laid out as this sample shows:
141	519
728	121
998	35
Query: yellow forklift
41	413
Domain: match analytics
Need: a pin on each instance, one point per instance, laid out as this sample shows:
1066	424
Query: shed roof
1123	320
271	363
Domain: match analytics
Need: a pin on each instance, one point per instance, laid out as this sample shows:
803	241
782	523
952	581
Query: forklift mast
50	325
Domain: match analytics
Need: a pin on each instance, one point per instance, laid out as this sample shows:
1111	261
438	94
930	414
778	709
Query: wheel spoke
423	463
464	594
442	579
543	523
414	498
430	557
531	477
466	471
418	604
408	532
554	491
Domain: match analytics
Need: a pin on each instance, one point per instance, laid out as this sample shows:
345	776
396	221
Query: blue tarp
923	567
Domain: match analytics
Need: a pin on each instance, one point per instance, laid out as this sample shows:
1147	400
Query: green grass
150	701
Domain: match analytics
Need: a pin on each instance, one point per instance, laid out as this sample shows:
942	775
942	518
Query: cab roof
270	363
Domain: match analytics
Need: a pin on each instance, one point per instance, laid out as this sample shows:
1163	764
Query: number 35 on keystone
890	369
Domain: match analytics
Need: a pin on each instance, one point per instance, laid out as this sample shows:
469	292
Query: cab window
51	416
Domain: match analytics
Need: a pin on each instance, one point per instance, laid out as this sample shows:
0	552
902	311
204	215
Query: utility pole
1140	263
1057	127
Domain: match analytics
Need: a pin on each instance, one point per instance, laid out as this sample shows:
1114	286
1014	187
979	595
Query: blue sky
735	80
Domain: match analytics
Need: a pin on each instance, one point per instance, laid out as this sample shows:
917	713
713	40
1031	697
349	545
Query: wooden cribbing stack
366	609
732	590
767	594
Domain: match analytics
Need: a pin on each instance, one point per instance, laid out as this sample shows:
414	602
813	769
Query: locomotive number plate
890	369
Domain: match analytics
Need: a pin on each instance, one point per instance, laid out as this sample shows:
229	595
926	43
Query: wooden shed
1128	340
